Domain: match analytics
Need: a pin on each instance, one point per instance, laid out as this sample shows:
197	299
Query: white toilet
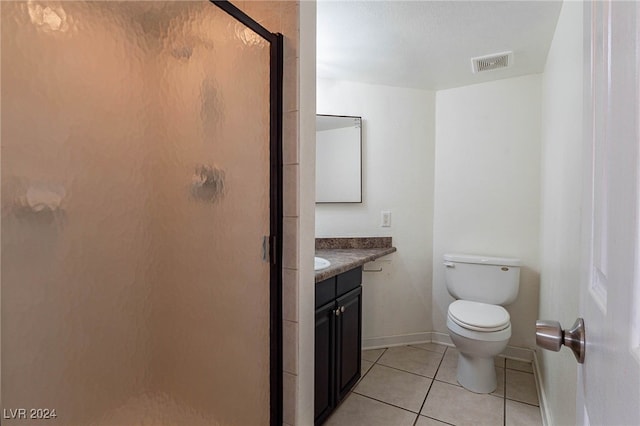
479	326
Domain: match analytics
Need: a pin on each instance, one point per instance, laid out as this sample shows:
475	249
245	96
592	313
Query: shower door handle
265	249
551	336
268	249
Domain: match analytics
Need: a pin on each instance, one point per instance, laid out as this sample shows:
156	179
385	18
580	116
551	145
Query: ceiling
429	44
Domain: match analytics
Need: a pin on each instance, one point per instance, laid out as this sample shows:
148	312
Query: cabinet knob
337	312
342	309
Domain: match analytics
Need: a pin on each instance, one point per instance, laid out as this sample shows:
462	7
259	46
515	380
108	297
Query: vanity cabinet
338	340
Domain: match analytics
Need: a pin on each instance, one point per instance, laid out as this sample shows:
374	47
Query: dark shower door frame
275	212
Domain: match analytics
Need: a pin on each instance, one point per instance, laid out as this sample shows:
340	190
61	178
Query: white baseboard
542	397
441	338
519	354
512	352
398	340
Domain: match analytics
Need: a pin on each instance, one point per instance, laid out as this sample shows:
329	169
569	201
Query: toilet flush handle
449	264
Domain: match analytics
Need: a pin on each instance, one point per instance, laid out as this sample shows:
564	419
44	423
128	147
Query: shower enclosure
141	210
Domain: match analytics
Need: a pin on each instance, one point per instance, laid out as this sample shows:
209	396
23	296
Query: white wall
487	187
398	143
560	206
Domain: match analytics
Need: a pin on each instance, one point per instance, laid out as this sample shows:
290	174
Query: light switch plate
386	219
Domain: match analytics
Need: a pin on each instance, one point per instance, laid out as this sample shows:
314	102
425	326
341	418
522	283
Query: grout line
405	371
430	386
366	372
452	384
504	412
386	403
433	379
467	390
379	356
392	405
425	349
438	420
522	402
516	400
529	363
504	395
518	369
423	402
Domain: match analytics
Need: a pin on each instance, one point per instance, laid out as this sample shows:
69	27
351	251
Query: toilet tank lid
482	260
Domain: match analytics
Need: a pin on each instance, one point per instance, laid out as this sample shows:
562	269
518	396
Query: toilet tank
486	279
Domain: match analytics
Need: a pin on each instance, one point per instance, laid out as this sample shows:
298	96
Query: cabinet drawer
349	280
325	291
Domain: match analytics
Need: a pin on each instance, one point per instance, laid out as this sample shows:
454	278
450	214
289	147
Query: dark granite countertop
343	260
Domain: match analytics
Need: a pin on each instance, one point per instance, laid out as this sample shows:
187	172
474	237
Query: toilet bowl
478	325
479	331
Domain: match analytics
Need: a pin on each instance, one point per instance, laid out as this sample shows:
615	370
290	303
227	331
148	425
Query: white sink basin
321	263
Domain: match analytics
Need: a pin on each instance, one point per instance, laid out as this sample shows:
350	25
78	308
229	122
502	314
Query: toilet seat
477	316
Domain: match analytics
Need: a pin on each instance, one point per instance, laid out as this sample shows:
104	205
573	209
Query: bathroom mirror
338	159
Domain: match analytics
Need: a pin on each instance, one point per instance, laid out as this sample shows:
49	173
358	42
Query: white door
608	390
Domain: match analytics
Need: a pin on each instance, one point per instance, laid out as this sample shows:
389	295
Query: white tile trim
542	397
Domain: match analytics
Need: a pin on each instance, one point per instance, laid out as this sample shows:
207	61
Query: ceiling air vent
492	62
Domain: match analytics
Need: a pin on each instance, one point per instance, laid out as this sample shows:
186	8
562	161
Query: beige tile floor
416	386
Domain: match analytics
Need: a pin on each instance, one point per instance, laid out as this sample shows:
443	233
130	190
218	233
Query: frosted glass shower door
135	178
212	297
